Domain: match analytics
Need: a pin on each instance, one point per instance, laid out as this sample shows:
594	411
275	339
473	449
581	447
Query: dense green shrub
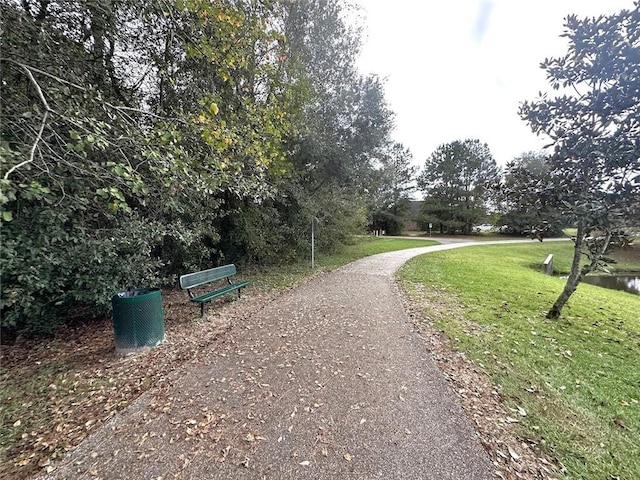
50	268
210	133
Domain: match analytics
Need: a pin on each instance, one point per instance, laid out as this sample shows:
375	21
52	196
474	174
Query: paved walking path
329	381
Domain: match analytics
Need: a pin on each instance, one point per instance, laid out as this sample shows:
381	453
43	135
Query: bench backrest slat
193	280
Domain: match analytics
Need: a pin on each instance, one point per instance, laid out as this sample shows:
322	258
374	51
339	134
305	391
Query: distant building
411	223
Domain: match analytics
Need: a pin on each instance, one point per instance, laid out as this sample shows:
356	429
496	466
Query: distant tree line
456	180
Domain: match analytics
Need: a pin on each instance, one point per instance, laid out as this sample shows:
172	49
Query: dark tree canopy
594	126
391	187
523	212
142	140
456	180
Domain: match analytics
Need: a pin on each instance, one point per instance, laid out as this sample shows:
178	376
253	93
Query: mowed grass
367	246
578	378
362	246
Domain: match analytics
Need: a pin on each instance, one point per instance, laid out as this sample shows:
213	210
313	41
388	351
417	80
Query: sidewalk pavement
330	381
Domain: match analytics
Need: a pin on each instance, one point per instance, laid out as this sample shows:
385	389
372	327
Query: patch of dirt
513	457
70	385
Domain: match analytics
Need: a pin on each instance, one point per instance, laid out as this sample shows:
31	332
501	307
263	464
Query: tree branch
29	69
42	125
42	72
143	112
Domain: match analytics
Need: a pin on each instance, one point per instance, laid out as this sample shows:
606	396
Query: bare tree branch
42	72
43	123
143	112
119	108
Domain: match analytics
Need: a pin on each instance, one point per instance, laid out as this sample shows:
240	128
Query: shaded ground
75	382
333	374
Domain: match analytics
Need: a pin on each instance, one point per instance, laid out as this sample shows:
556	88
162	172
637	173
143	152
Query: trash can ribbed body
138	320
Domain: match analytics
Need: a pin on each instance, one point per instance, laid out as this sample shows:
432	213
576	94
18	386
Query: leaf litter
93	384
87	383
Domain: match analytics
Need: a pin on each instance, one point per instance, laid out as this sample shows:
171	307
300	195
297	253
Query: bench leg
239	292
202	309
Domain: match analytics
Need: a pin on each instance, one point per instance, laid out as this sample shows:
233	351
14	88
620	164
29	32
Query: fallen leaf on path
513	454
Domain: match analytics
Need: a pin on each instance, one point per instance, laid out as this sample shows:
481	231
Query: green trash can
138	320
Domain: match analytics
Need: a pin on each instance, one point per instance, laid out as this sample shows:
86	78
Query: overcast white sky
458	69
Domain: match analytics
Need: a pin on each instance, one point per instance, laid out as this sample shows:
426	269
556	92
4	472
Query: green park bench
194	280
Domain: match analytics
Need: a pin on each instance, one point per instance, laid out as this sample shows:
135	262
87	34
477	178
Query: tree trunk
575	277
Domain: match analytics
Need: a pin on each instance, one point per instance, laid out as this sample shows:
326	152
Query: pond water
627	282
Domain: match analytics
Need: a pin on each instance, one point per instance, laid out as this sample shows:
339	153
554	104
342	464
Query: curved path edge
330	381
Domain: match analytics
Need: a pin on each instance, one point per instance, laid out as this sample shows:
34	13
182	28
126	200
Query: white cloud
459	69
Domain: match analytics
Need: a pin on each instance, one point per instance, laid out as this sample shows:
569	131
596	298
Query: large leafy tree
341	123
140	139
594	125
392	184
524	213
119	146
455	180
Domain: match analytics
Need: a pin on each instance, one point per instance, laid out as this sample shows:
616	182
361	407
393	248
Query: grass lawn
366	246
287	275
578	378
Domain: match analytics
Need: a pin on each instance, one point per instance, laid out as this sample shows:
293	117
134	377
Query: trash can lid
136	292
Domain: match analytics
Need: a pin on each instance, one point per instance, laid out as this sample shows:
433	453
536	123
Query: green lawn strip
627	261
287	275
367	246
578	378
